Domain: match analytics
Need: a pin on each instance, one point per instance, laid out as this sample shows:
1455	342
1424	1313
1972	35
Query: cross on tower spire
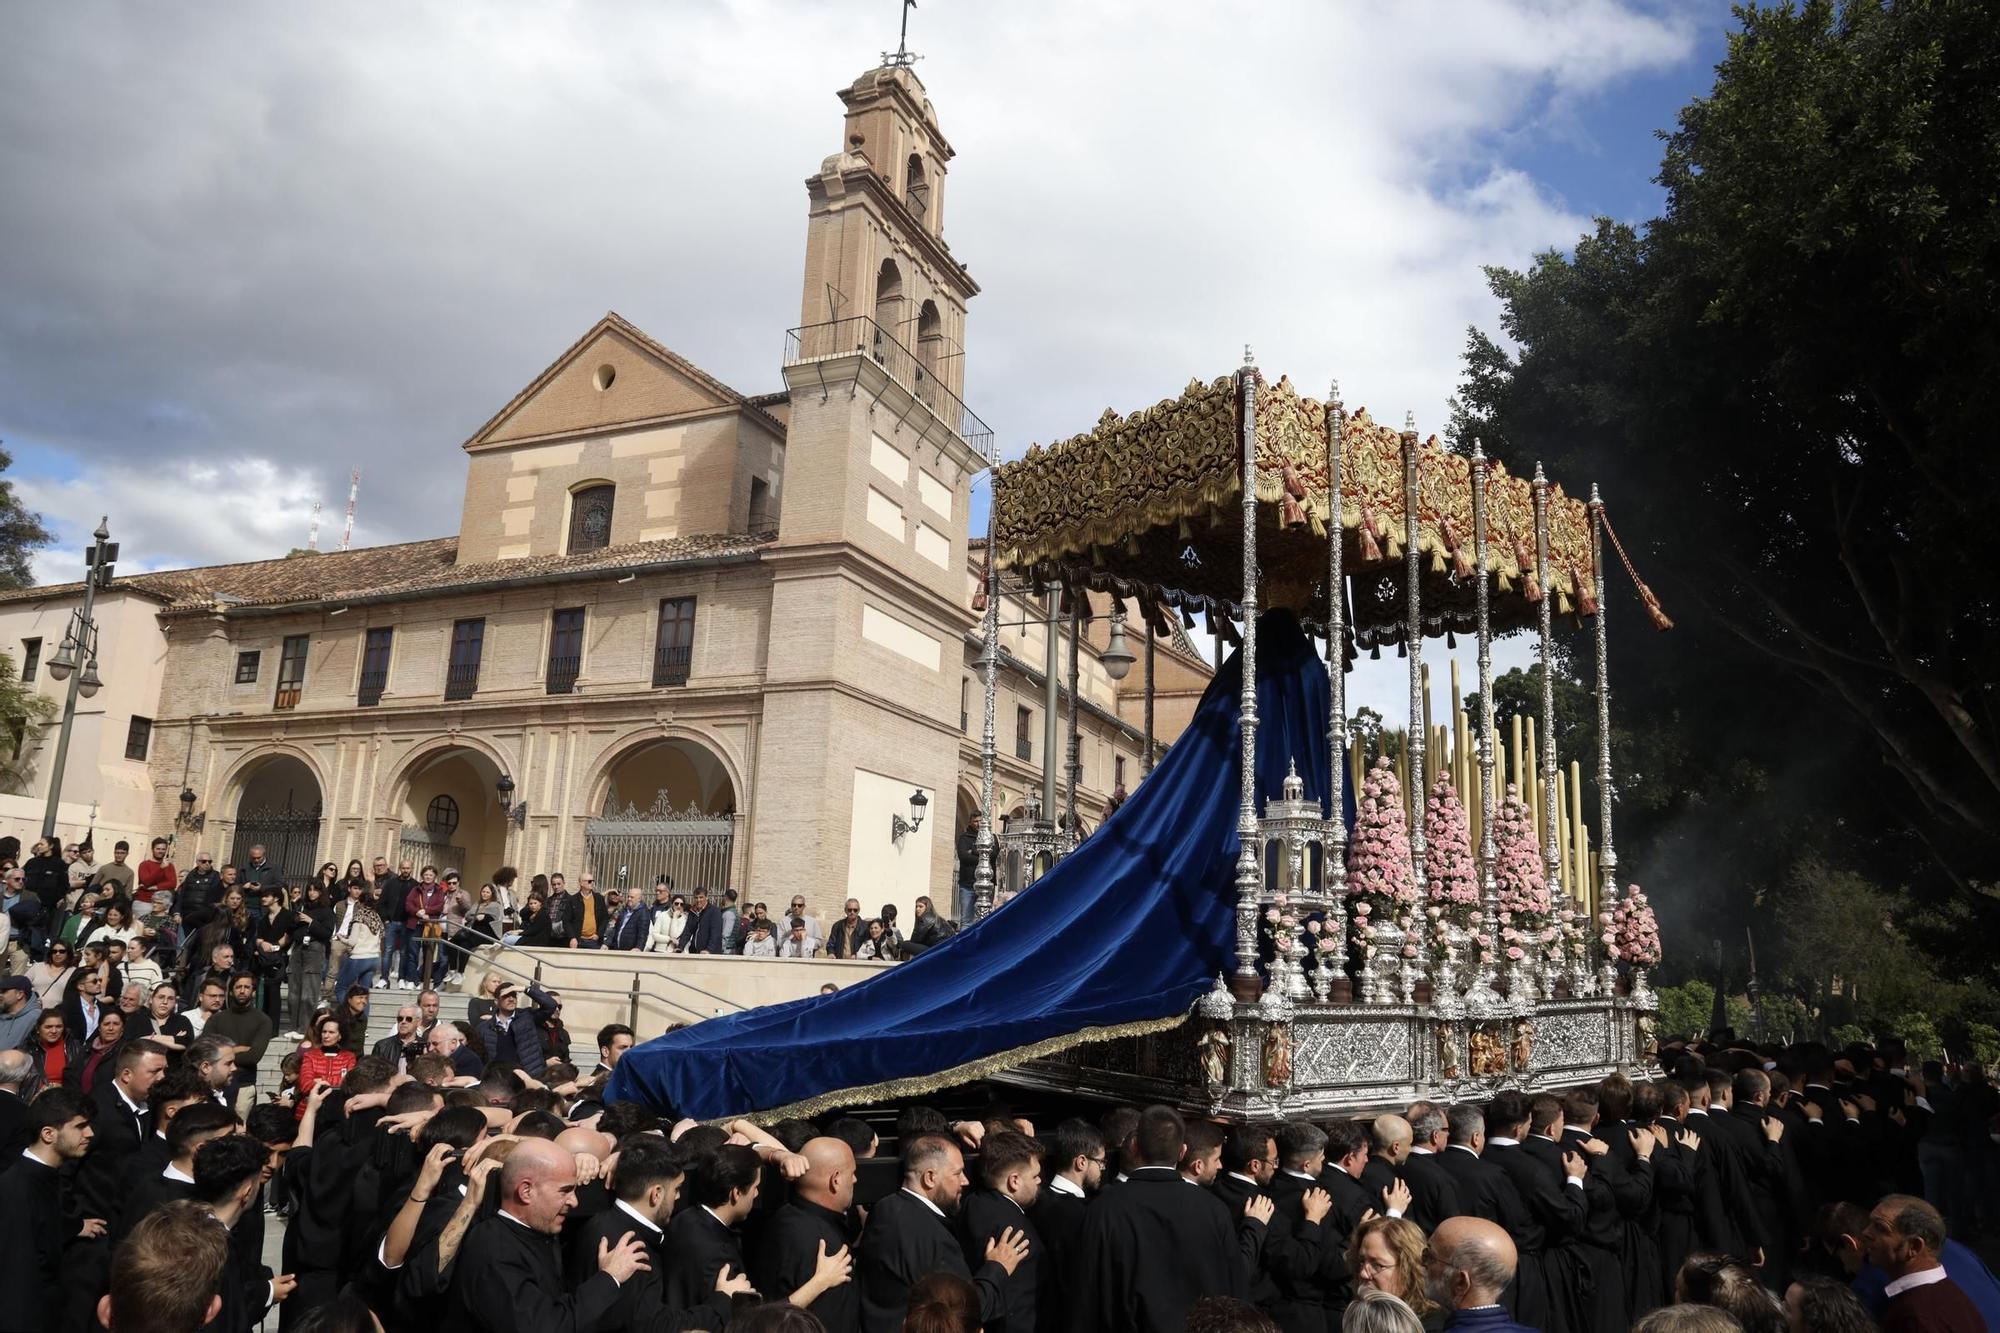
902	55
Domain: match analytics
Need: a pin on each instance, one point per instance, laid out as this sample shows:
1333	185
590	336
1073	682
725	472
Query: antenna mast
353	489
312	539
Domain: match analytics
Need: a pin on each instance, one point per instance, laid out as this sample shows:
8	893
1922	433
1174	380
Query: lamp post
79	649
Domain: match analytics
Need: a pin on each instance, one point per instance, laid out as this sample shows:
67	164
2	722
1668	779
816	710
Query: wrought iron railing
1023	749
461	681
860	335
563	672
373	683
671	665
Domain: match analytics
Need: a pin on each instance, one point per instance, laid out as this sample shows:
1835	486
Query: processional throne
1391	969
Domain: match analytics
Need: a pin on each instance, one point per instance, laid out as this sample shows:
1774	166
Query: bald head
1471	1262
576	1139
15	1069
1389	1137
829	1177
538	1185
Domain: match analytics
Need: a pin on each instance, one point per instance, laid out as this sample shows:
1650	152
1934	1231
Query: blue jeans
354	972
392	946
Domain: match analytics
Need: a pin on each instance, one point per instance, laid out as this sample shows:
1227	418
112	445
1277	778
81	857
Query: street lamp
79	646
518	814
898	826
1117	657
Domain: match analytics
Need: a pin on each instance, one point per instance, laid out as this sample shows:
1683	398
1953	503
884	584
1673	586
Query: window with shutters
673	652
291	671
565	649
468	643
375	666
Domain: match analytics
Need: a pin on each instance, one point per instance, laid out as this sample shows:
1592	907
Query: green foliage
1984	1041
1786	385
23	712
1685	1009
21	535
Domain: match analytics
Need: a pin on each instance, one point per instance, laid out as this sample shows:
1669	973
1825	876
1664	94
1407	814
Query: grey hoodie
14	1029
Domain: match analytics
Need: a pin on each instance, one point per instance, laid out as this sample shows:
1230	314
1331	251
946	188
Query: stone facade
720	635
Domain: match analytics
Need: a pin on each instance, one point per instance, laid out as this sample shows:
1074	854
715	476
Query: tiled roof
408	569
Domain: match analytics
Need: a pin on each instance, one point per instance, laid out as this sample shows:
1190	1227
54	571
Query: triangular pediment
612	376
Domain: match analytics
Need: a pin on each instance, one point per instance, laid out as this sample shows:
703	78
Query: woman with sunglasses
51	978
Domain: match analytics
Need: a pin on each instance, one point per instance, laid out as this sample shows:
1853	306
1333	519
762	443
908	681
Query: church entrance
669	809
279	810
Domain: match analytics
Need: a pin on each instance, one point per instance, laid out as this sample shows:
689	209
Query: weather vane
902	56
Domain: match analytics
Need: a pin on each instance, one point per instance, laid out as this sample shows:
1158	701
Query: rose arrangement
1380	885
1518	871
1448	865
1635	931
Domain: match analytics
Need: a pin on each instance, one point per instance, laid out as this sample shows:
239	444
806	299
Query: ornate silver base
1352	1059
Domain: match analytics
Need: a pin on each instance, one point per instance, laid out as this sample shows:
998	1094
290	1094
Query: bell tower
869	600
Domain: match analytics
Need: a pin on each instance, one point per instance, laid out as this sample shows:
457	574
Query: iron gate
421	847
290	839
629	847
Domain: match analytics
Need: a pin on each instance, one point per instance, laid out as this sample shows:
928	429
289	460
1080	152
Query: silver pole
1146	760
1249	862
1334	854
1607	855
1482	992
989	668
1551	816
1074	766
1051	705
1413	632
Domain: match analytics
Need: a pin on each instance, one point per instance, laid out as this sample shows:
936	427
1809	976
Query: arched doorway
965	847
450	816
669	809
278	809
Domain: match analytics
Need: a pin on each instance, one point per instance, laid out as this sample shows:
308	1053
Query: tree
21	534
1787	384
23	712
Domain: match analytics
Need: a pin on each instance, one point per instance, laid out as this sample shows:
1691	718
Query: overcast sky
249	246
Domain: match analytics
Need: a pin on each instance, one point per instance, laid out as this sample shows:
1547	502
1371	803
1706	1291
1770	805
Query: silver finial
1539	474
1478	450
1248	359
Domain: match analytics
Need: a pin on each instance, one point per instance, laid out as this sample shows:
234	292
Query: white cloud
280	241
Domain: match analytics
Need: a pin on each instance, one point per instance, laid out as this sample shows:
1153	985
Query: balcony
461	680
1022	749
562	674
670	666
372	685
858	335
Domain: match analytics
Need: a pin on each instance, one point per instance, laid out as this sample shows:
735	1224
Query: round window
441	819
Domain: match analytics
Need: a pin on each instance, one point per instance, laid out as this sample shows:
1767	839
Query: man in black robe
806	1240
1433	1193
1553	1207
190	1129
1010	1179
1309	1259
1152	1246
1249	1162
645	1187
508	1275
909	1236
1072	1173
702	1243
1736	1230
31	1199
228	1173
1617	1189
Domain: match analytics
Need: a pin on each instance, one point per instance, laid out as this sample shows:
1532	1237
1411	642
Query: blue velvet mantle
1122	936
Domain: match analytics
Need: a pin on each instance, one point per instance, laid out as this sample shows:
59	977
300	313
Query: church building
681	628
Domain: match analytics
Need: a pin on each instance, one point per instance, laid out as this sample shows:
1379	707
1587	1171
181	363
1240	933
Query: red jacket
320	1066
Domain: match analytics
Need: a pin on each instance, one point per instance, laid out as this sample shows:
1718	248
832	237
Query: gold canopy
1150	505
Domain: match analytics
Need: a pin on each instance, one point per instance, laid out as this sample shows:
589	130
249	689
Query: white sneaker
292	1036
381	983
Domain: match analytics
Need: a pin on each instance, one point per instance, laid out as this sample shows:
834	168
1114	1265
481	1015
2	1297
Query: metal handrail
631	996
582	966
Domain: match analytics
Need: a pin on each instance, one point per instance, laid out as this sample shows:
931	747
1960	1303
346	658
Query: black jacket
906	1240
787	1252
570	913
30	1261
697	1248
983	1215
703	931
1148	1249
508	1279
641	1306
1433	1192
